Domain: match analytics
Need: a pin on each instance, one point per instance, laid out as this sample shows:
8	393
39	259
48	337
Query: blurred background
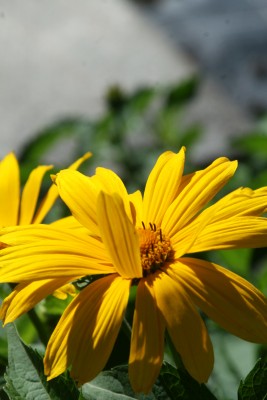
130	79
59	58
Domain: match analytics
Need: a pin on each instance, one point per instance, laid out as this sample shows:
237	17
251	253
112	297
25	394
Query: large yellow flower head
143	241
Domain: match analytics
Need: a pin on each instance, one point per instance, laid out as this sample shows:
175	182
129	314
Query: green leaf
254	387
25	379
115	385
238	260
171	385
182	92
253	143
46	138
180	385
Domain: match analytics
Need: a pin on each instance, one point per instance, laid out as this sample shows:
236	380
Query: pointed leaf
25	379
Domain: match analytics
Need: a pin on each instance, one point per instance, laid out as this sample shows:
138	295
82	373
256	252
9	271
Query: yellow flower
22	209
143	241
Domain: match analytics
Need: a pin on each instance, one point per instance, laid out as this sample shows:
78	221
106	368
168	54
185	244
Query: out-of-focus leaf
142	99
25	379
253	143
55	306
182	92
238	260
44	140
234	358
254	387
259	180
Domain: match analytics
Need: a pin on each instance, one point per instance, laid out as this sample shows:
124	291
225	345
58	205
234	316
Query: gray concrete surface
228	40
57	58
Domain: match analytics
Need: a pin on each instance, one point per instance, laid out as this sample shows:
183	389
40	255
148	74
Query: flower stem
126	327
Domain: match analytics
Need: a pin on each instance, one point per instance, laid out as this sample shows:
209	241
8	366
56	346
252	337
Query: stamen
155	249
143	224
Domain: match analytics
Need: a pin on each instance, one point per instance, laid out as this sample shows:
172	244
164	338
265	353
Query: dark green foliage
180	385
25	379
254	387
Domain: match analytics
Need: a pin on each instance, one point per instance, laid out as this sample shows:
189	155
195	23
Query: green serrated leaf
254	387
25	379
181	386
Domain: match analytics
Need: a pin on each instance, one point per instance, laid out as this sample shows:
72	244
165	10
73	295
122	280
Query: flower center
155	248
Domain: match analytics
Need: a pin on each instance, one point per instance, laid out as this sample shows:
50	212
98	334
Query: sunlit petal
64	291
186	328
10	190
201	188
119	236
162	186
136	205
63	254
111	183
30	194
70	223
147	344
52	194
26	295
225	297
79	193
239	232
86	332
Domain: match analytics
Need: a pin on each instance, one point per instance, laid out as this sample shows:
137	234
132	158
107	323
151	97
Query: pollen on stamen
155	248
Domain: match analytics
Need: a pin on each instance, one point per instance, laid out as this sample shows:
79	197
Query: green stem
126	327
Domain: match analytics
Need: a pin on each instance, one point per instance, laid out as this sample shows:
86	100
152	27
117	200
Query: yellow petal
187	330
136	204
52	193
26	295
147	344
240	202
109	182
229	223
30	194
119	236
199	190
239	232
64	291
61	254
22	234
70	223
80	161
225	297
79	193
87	330
162	186
10	190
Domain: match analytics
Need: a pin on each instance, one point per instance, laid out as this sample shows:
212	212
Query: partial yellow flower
22	209
142	240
